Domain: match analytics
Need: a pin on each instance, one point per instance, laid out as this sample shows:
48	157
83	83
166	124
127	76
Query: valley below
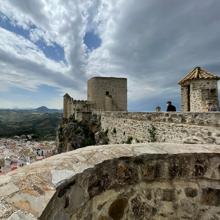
27	136
41	124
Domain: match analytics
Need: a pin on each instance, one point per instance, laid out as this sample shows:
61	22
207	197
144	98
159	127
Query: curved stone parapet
140	181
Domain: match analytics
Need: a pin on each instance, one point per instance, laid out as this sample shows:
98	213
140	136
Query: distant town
23	150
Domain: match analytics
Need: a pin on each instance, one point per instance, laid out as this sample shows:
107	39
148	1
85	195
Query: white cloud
23	64
154	43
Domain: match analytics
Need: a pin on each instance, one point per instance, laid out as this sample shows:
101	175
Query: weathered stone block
190	192
210	197
168	195
200	168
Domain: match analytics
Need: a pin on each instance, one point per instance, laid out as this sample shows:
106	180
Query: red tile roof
198	73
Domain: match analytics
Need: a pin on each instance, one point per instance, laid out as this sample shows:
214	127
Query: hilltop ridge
41	123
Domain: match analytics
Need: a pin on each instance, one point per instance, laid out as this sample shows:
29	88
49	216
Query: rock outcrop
73	134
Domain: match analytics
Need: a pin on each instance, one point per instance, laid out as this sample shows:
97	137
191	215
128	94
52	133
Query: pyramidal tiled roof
198	73
67	95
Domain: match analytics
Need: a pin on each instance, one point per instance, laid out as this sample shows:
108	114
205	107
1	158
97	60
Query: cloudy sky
50	47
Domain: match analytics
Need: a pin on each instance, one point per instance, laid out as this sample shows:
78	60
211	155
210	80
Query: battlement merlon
73	107
80	102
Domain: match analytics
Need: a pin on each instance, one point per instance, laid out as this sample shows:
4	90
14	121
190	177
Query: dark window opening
213	91
188	98
107	93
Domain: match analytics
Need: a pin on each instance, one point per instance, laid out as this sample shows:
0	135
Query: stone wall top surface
196	118
26	192
106	78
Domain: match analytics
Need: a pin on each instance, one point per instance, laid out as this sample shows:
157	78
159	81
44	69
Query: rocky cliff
73	134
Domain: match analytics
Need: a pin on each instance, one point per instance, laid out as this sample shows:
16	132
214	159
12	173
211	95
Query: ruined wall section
122	127
67	105
126	182
82	109
79	109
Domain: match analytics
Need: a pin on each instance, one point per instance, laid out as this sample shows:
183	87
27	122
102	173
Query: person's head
158	109
169	103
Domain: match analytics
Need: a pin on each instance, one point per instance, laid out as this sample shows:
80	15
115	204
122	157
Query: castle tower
199	89
108	93
67	105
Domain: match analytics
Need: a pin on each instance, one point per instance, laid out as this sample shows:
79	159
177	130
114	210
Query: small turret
199	89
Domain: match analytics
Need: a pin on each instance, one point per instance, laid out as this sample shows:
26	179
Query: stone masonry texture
101	89
199	90
126	181
202	92
124	127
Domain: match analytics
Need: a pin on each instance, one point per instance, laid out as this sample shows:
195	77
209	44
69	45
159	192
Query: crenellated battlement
80	101
76	108
104	94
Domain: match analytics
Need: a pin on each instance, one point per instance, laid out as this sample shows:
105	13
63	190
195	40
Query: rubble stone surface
139	127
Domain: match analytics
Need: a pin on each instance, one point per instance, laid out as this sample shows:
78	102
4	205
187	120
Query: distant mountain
41	123
44	109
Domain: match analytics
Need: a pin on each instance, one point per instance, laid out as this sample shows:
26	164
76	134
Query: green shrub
106	131
152	134
104	137
114	131
129	140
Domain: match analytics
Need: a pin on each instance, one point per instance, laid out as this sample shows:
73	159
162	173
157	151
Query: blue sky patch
7	24
92	40
54	51
41	96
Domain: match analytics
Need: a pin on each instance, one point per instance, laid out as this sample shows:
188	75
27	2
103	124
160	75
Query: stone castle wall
184	99
103	94
76	108
202	92
108	93
123	127
120	182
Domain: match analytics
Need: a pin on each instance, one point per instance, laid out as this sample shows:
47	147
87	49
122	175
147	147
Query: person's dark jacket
171	108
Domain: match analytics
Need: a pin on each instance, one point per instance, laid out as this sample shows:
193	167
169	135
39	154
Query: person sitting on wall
158	109
170	107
